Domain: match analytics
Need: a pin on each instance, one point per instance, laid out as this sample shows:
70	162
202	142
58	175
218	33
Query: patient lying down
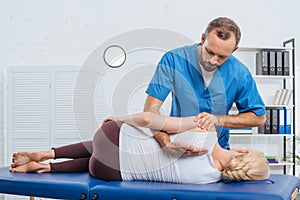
124	149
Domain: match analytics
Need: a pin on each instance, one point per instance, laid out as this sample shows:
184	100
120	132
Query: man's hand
241	120
153	104
177	148
180	149
206	121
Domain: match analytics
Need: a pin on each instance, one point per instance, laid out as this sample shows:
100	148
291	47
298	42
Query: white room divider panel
39	106
62	128
28	108
2	144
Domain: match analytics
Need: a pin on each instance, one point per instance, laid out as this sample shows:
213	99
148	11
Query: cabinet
281	146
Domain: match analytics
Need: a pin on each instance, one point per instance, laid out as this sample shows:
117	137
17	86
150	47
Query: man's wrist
162	138
220	120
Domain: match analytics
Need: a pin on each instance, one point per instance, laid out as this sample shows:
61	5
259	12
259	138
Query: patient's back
141	158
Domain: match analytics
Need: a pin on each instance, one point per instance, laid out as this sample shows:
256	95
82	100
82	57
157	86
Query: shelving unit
291	43
247	56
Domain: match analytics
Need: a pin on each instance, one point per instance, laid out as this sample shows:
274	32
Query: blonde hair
249	166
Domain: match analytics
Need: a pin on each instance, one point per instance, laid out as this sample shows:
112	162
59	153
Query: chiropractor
205	79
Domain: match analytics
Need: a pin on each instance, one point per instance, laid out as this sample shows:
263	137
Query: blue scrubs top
179	72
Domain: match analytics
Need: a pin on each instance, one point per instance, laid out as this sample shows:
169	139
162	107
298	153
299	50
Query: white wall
65	32
58	32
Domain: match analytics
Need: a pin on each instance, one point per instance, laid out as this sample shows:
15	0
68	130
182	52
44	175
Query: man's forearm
153	105
241	120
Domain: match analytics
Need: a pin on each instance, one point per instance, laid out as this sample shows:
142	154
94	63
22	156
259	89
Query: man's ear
236	48
202	38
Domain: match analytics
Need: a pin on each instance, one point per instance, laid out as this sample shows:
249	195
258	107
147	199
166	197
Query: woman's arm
167	124
159	122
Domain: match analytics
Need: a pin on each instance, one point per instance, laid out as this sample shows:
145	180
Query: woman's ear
242	150
239	152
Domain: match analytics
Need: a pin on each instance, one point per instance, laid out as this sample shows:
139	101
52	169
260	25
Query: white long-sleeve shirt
141	158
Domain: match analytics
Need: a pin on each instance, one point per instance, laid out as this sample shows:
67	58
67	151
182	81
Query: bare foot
31	167
22	158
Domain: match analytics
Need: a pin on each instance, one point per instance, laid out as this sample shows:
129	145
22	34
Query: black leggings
100	156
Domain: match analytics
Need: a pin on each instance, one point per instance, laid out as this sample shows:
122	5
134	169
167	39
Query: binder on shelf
274	121
288	121
286	63
272	159
273	62
287	96
282	97
277	96
262	65
272	70
266	128
281	120
278	63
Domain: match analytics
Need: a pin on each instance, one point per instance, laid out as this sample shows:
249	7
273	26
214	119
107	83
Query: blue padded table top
278	187
83	186
51	185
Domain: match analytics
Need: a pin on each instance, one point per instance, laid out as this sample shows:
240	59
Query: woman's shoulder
197	139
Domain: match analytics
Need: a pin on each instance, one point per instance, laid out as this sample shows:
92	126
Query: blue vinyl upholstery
83	186
54	185
277	187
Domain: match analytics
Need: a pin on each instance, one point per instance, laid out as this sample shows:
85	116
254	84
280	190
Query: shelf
279	106
260	135
275	106
272	77
268	84
262	48
281	164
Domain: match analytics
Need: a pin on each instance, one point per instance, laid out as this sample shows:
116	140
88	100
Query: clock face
114	56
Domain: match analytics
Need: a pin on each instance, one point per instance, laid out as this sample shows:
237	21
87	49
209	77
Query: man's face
215	51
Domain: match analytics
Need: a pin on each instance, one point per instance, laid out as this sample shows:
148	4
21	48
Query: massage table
82	186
